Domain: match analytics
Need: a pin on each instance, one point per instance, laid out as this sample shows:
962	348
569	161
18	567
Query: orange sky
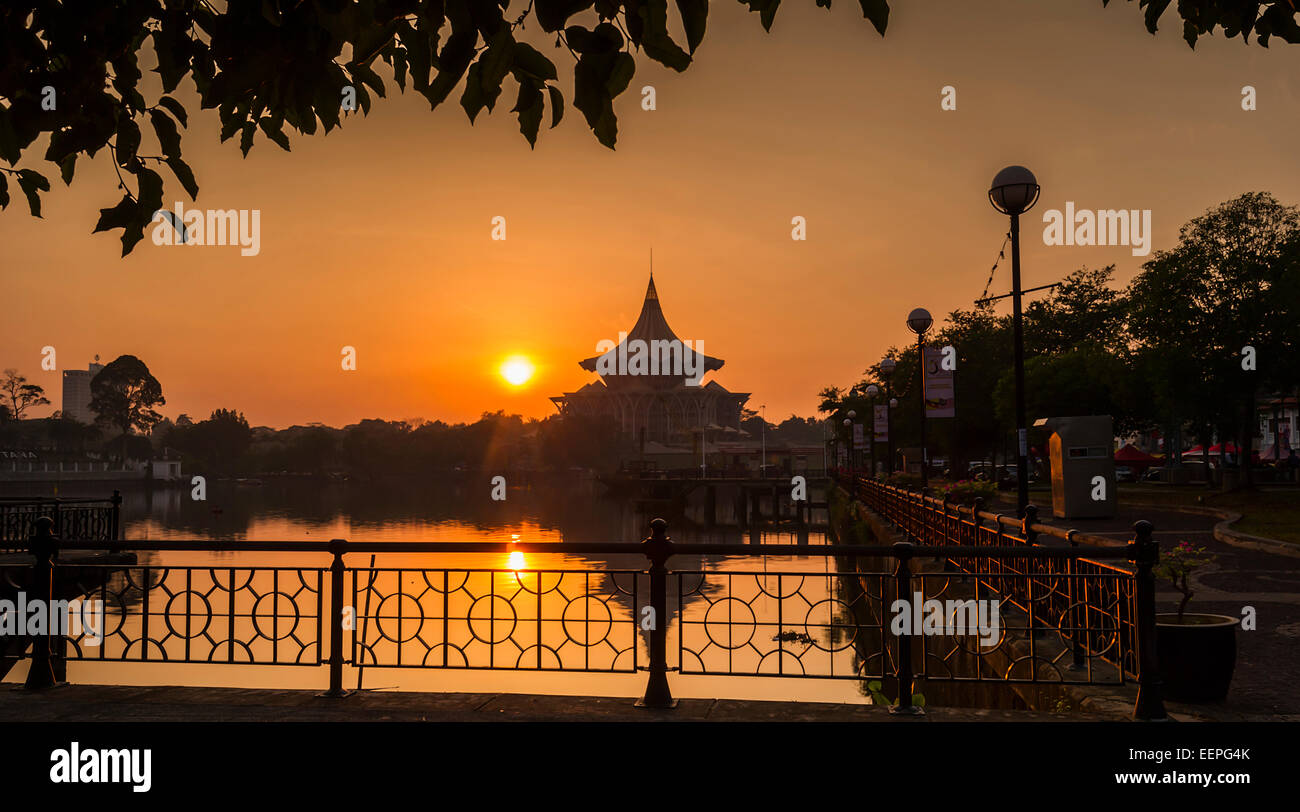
378	236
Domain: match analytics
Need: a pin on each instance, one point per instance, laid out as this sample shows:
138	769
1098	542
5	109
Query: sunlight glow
517	370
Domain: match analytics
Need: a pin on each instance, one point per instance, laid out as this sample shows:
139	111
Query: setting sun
517	370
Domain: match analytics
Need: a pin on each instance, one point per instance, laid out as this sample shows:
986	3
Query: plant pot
1196	656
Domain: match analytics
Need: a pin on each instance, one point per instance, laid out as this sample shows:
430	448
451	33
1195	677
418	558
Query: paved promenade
114	703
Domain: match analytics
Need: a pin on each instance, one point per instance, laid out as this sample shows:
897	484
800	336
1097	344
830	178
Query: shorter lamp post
872	392
919	321
848	431
887	366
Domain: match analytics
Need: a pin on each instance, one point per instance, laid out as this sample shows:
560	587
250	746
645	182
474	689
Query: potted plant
966	491
1197	652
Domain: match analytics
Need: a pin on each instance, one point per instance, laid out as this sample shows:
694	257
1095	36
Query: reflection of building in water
669	408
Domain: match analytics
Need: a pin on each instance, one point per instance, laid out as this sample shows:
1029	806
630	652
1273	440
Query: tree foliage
123	395
270	65
20	395
1165	353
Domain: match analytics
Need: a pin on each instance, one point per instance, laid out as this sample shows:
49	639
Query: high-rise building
76	392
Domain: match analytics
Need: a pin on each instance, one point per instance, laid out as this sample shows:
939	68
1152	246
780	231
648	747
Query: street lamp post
762	463
919	321
1014	191
872	392
848	430
887	366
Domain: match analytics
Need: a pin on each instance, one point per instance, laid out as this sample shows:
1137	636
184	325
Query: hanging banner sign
859	436
881	424
939	395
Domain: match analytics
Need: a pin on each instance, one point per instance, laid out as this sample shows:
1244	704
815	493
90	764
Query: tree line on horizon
125	394
1168	353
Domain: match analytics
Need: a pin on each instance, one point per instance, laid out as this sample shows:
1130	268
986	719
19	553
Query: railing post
1150	703
337	548
903	665
1027	525
1077	664
115	530
44	546
658	548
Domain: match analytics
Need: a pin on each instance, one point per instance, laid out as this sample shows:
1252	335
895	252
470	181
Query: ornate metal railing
74	519
832	624
1092	607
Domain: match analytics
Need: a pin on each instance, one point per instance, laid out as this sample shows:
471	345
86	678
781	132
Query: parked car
1154	474
1123	473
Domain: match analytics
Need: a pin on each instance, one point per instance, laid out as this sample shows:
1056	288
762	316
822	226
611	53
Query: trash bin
1083	466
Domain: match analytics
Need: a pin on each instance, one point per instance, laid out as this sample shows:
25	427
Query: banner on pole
939	395
859	436
880	425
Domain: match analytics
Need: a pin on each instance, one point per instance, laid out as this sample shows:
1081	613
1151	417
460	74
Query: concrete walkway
116	703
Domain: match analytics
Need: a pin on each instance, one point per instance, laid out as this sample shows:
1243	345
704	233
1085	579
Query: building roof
650	326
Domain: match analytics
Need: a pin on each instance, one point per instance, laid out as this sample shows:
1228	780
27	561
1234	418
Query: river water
800	606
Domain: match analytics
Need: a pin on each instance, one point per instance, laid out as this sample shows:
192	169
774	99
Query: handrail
610	548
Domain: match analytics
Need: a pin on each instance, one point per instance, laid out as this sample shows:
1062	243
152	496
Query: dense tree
264	65
217	444
1197	335
20	394
1215	319
123	395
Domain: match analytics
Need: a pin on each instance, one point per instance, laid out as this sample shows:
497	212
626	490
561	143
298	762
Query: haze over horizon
379	236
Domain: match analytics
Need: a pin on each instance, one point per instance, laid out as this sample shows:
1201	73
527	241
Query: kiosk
1083	466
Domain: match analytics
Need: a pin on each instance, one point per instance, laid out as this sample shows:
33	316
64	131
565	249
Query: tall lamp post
1015	191
919	321
872	392
887	366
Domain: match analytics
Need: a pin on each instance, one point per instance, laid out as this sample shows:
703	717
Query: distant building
662	407
76	392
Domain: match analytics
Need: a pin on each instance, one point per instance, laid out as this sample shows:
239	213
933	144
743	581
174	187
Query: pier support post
658	548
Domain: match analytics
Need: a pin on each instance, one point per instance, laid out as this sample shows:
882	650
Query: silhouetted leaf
30	181
529	107
120	216
656	42
529	59
185	175
695	14
175	108
66	167
766	11
877	11
165	129
127	141
246	137
552	14
453	61
557	105
9	149
4	191
274	131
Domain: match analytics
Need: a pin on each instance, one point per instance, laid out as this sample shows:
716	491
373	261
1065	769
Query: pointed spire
650	293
